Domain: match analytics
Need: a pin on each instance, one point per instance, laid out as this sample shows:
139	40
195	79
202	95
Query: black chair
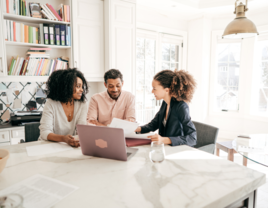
206	137
32	131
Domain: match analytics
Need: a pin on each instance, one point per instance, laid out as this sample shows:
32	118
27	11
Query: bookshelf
36	45
12	48
15	17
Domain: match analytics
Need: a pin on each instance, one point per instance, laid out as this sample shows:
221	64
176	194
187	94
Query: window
148	63
227	76
262	82
146	58
170	56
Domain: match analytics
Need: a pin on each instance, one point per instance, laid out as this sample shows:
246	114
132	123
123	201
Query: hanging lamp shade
240	27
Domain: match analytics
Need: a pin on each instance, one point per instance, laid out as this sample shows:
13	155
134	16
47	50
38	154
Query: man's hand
95	122
157	137
71	141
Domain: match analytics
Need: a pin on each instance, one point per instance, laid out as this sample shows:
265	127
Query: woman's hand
138	130
71	141
159	138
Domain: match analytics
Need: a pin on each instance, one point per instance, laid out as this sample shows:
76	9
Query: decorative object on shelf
240	27
35	10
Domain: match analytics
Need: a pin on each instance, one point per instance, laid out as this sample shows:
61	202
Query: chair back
32	131
206	134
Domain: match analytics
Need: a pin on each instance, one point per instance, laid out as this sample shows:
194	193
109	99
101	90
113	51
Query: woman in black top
173	119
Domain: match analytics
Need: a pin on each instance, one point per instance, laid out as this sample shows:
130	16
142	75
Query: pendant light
240	27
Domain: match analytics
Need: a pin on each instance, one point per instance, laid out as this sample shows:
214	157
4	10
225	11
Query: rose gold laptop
104	142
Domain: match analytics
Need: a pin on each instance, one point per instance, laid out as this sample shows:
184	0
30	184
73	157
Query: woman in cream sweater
65	106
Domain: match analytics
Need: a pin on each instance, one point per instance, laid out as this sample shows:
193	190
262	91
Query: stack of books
37	63
37	10
63	14
49	34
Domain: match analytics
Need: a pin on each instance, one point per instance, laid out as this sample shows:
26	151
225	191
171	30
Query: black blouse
179	127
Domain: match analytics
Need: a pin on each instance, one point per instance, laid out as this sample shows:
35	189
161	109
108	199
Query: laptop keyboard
128	153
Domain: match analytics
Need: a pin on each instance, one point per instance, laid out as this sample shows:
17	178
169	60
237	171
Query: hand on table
138	130
95	122
71	141
157	137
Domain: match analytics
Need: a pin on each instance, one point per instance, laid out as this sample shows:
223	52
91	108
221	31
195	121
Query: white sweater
55	121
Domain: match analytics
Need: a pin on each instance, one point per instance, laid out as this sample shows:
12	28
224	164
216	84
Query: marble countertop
187	178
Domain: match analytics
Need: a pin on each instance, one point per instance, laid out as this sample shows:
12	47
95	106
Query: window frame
217	38
160	38
255	79
246	79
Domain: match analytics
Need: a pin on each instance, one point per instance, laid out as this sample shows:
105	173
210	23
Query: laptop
105	142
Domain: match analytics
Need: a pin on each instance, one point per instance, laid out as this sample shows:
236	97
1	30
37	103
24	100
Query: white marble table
187	178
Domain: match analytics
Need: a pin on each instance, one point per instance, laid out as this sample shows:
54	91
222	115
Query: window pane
228	52
140	73
149	72
262	82
165	65
140	53
174	66
222	50
264	73
145	70
150	49
174	53
166	52
234	52
264	51
140	42
227	90
263	95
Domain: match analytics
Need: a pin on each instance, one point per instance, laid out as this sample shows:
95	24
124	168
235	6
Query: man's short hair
113	74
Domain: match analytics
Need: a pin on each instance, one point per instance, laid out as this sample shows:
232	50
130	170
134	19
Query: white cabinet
12	135
4	136
120	38
88	33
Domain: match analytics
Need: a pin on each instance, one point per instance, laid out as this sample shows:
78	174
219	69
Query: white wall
198	64
149	16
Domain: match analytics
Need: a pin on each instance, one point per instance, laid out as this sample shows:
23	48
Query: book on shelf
38	64
49	34
37	10
18	7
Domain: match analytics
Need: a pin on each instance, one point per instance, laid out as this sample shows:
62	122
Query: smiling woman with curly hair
65	106
173	119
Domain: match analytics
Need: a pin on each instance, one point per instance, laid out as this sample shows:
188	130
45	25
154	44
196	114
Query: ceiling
190	9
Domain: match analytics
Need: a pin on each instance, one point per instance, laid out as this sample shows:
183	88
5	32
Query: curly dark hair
182	84
61	83
113	74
